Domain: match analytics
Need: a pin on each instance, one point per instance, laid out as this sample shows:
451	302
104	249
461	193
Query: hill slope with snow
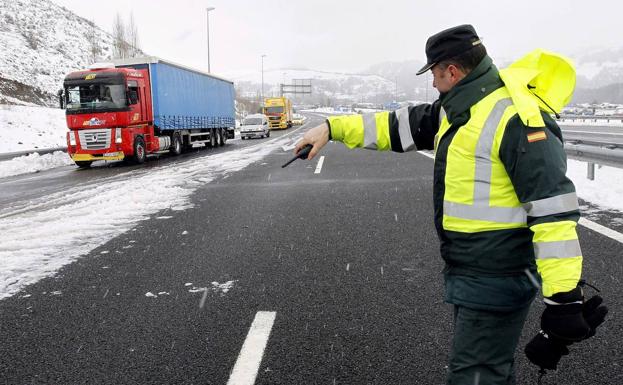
40	42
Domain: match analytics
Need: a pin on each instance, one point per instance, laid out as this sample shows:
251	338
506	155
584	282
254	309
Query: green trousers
483	346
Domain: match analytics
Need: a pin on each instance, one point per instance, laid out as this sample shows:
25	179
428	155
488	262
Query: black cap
449	43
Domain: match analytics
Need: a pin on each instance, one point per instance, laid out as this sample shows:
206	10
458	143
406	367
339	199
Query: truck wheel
139	150
217	136
176	145
213	138
222	136
84	163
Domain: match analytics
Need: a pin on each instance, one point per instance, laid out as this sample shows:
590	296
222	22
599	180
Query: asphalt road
347	258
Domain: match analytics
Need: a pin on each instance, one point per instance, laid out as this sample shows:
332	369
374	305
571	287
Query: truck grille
94	139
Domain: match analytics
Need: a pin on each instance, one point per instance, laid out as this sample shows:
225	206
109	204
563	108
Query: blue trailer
194	106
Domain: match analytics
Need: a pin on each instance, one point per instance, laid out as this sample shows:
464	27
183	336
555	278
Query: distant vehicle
279	112
140	106
391	106
255	126
297	119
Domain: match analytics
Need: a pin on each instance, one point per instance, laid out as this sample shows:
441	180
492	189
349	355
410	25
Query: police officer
505	212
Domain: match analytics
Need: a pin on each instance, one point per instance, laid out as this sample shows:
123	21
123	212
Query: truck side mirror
61	99
133	97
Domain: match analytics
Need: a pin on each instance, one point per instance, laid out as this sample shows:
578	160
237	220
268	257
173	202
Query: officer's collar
480	82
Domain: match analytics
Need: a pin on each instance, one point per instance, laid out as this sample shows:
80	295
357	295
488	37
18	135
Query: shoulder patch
536	136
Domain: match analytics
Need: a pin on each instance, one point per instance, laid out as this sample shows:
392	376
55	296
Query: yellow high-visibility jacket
502	201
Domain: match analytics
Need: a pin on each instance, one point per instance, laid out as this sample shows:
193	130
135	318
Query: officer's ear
456	73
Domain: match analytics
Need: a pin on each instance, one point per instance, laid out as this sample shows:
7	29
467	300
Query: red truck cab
109	115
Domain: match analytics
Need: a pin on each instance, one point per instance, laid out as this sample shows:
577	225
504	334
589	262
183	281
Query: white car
255	126
298	119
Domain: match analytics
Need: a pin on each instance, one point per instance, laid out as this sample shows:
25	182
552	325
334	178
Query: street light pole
208	28
396	89
262	96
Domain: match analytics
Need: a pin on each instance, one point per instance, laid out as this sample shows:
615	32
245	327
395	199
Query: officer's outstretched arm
406	129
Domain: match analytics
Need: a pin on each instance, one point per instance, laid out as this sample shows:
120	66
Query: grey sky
349	35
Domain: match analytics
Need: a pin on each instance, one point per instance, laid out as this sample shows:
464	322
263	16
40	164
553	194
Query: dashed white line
248	362
603	230
319	166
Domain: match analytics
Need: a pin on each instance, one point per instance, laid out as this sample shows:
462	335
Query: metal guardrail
602	153
593	152
41	151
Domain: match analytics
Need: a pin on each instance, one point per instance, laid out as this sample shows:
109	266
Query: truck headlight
72	138
118	135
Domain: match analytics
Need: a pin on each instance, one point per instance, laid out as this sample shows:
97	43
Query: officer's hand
545	352
545	349
563	318
317	137
594	313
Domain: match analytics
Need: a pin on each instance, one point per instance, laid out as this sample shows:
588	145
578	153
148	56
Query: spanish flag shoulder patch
536	136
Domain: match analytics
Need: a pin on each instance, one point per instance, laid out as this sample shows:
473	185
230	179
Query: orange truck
279	112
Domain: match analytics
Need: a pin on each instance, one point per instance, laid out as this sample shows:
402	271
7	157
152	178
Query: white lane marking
427	153
603	230
203	298
248	363
319	166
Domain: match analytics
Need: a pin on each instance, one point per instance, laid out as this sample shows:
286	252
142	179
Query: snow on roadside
24	128
33	163
605	191
38	239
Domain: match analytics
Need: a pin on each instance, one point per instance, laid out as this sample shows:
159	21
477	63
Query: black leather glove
546	350
594	313
563	318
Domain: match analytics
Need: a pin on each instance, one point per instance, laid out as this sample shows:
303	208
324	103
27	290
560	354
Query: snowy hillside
599	68
40	42
336	85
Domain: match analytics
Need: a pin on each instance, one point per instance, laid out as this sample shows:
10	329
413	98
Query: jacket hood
541	80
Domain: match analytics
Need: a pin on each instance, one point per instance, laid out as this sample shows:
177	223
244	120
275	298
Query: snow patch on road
33	163
223	287
42	235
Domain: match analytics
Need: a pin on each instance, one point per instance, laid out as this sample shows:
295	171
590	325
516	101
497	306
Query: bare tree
126	42
132	34
93	37
120	48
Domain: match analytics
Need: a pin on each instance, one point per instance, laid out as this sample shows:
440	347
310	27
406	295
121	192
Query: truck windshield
95	97
274	110
252	121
